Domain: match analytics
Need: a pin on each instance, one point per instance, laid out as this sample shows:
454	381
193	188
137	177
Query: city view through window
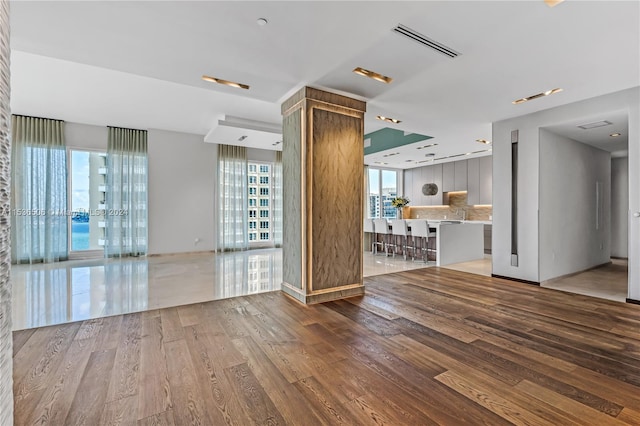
383	187
260	188
87	223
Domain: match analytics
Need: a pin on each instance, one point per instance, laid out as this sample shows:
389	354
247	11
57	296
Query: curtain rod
126	128
41	118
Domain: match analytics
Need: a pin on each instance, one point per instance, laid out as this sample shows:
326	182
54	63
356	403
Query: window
252	236
261	184
87	171
383	187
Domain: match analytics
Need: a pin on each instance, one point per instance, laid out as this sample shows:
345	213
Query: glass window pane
88	191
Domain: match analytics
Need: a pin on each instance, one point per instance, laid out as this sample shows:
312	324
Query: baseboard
619	258
633	301
515	279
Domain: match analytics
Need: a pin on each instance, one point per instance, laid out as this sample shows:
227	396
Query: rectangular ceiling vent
595	124
425	41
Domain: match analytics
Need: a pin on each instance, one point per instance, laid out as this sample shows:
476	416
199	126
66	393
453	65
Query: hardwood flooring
423	347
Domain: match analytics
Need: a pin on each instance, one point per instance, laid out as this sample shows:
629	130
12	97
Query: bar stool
399	228
381	227
420	229
368	228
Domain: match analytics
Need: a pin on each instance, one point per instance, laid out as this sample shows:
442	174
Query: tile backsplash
454	210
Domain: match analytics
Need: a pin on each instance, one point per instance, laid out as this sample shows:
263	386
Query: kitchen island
457	241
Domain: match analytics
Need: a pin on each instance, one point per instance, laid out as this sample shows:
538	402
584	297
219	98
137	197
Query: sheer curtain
39	230
232	198
277	200
126	195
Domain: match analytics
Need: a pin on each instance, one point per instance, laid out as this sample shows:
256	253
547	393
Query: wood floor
429	346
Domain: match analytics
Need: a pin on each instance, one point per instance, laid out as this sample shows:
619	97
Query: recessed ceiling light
484	141
391	154
536	96
262	22
595	124
276	143
552	3
225	82
615	135
427	146
243	137
373	75
408	161
387	119
380	162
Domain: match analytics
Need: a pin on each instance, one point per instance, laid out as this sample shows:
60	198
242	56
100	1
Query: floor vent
425	41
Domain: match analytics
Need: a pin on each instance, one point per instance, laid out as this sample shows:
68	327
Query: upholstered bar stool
400	229
381	227
420	232
369	229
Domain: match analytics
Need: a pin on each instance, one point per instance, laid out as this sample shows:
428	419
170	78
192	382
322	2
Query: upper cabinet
473	175
486	180
473	181
460	176
448	177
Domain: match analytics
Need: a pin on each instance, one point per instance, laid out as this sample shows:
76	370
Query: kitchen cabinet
460	175
448	177
473	181
486	180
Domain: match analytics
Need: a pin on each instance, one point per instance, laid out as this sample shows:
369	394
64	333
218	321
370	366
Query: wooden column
322	161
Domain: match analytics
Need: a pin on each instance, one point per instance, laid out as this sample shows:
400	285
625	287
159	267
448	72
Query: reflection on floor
478	267
78	290
606	282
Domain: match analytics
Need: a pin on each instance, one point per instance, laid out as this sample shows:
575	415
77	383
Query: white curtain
232	198
126	196
277	200
38	190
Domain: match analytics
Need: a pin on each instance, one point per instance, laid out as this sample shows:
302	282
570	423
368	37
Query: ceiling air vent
425	41
595	124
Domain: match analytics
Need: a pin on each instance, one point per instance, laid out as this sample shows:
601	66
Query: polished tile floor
79	290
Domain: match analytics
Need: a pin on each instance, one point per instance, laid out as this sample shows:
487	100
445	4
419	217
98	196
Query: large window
87	170
383	187
259	185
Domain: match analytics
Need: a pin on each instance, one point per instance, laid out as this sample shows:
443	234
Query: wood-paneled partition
322	161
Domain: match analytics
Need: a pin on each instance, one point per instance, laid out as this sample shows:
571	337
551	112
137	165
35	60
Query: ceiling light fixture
391	155
262	22
373	75
427	146
243	137
615	135
536	96
225	82
387	119
276	143
484	141
552	3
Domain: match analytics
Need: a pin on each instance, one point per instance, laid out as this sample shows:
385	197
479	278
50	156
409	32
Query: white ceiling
139	64
599	137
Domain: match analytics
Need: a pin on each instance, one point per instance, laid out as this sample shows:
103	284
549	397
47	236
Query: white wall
619	207
574	235
528	125
182	179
